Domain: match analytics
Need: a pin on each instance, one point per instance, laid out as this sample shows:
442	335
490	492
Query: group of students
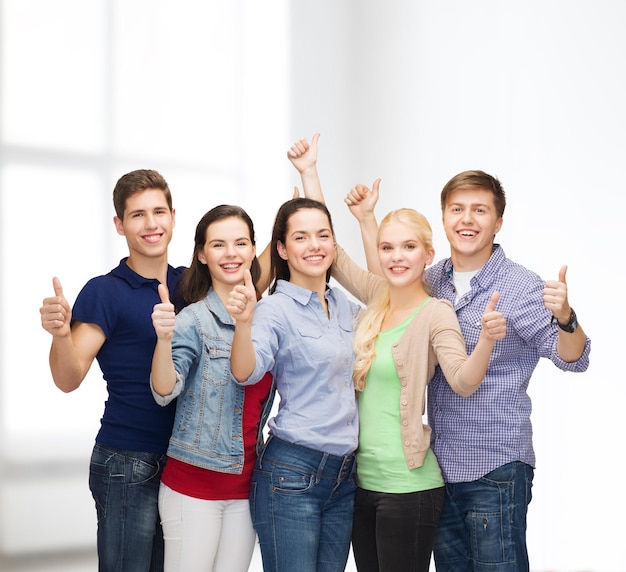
180	473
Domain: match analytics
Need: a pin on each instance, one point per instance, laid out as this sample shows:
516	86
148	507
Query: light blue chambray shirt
311	359
472	436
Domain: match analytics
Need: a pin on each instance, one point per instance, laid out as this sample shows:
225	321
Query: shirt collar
127	274
299	294
216	307
486	273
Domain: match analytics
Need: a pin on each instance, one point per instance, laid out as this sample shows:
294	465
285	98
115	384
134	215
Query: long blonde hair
370	323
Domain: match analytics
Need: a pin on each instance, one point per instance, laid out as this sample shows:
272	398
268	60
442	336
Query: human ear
119	225
282	251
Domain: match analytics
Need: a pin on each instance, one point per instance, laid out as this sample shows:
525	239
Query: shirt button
405	402
405	422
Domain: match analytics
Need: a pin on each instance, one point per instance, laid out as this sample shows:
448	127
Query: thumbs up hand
56	313
493	322
163	315
555	297
242	300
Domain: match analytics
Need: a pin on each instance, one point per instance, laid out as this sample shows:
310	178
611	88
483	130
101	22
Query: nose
150	221
314	244
396	254
467	217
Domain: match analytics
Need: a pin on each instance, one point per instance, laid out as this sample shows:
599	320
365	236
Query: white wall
532	92
411	91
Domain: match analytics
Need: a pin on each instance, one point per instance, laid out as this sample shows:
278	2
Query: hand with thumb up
242	300
163	315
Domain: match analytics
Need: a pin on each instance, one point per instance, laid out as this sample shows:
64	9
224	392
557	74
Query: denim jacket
208	425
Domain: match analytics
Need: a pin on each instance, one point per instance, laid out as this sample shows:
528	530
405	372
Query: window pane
52	85
53	224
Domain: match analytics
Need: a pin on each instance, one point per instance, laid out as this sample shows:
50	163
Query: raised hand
361	201
555	297
493	322
303	154
56	313
242	300
163	315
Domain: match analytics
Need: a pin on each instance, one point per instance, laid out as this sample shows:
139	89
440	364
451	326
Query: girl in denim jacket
203	497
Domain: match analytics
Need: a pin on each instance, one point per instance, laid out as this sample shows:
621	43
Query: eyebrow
457	203
226	240
311	232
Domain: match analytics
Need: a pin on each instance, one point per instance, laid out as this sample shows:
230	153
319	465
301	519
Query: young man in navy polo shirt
111	322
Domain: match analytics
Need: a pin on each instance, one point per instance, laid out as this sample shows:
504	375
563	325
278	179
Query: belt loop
262	452
320	468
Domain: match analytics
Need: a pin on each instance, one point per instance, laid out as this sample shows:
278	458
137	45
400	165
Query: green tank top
381	465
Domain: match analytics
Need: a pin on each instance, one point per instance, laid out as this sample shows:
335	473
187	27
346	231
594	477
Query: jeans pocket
291	480
144	471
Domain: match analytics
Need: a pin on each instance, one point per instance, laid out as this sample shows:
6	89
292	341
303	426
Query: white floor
87	562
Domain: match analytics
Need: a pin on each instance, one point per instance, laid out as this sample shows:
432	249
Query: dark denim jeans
302	501
395	532
483	524
125	487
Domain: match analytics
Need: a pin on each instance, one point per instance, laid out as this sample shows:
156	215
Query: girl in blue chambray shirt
303	482
203	497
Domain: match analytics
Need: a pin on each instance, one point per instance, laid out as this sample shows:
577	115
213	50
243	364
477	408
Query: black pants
395	532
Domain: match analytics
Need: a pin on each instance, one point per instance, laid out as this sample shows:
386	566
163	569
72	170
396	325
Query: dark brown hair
279	269
135	182
196	280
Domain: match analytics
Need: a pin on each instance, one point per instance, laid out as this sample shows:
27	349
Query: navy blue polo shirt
121	303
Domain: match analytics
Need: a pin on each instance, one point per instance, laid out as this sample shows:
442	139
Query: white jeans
205	535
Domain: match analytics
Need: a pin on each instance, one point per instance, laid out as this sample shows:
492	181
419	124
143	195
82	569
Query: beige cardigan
433	337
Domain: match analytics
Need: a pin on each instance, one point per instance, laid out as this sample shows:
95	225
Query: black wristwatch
571	326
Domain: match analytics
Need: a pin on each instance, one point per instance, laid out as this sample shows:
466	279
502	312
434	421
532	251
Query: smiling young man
111	322
484	442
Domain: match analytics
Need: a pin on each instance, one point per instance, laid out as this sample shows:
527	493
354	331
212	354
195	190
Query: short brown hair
135	182
475	180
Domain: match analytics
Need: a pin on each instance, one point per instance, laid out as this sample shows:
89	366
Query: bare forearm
242	356
265	264
67	371
571	346
311	184
163	373
369	230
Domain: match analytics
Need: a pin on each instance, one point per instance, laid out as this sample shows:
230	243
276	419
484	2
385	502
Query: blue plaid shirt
474	435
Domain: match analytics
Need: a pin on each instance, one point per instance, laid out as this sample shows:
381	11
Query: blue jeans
302	502
483	524
125	487
395	531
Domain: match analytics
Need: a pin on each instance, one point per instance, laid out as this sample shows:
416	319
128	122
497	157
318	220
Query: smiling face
402	254
470	221
309	247
228	250
147	225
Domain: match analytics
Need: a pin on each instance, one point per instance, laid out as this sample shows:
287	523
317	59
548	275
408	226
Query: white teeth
230	266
